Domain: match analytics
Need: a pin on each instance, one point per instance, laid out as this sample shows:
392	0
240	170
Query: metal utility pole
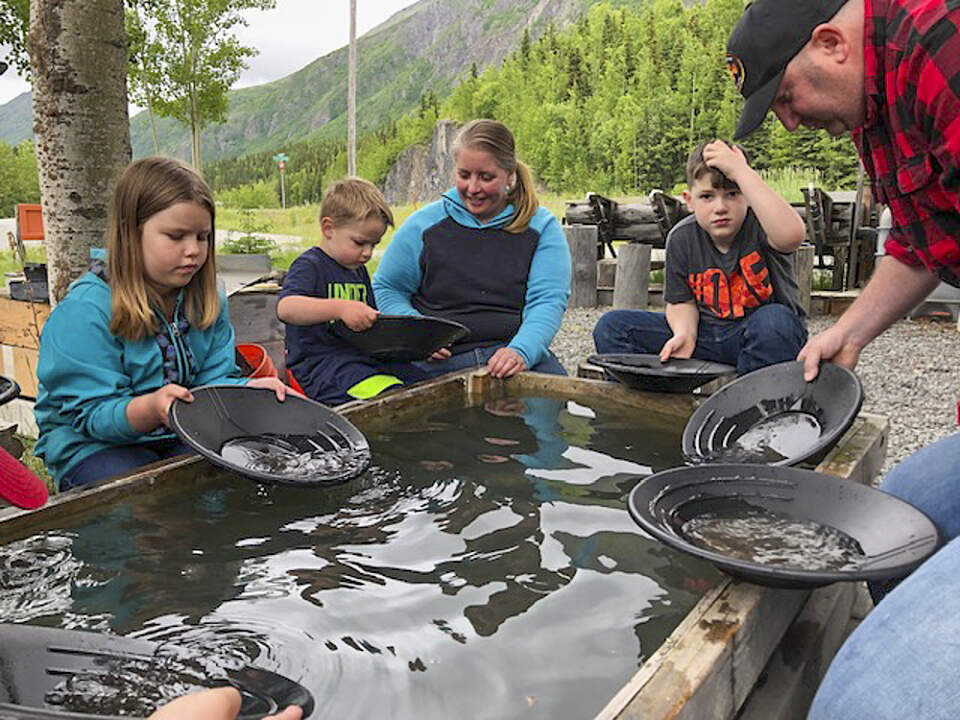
352	93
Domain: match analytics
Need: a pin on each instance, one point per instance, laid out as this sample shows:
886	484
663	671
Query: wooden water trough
743	652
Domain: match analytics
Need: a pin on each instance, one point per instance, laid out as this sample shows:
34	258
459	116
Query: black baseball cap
767	37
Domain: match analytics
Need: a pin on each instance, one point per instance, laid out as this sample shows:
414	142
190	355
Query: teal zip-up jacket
87	376
505	287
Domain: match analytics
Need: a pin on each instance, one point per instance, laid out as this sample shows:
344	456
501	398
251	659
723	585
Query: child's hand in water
216	704
357	315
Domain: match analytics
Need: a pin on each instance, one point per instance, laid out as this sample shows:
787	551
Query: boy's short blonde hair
354	200
697	168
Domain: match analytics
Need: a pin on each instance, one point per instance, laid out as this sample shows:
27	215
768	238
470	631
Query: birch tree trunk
78	62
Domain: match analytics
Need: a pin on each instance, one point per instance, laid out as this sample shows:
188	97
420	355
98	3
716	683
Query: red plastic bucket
257	358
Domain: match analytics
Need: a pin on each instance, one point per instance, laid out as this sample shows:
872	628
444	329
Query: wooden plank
21	322
709	665
859	454
20	413
798	665
253	314
20	364
582	241
630	291
803	272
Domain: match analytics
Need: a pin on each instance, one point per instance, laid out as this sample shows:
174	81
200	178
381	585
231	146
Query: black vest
475	276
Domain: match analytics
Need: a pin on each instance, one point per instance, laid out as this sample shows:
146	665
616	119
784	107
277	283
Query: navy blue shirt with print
314	355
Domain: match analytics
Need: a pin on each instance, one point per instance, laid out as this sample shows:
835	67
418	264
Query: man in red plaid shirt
888	72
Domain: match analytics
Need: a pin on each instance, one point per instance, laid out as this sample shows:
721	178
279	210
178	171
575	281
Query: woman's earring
509	189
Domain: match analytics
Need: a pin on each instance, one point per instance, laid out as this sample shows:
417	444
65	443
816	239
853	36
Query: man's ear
687	198
830	40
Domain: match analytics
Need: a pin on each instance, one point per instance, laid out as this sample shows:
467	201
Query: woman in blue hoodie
136	332
485	255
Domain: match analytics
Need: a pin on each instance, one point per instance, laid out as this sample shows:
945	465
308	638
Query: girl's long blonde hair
147	187
494	137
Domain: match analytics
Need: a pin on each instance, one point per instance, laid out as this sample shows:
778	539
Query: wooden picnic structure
841	240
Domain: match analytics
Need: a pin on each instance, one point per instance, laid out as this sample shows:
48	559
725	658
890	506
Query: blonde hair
493	137
353	200
147	187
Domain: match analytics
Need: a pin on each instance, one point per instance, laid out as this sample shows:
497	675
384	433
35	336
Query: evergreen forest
611	104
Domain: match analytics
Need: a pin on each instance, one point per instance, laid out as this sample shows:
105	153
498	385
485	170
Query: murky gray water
485	567
771	538
787	435
276	456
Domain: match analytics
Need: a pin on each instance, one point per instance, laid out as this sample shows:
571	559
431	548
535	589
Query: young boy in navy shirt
330	282
729	288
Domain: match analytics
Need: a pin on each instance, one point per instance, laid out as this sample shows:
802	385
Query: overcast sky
292	35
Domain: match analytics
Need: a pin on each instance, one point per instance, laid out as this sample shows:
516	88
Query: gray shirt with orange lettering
727	286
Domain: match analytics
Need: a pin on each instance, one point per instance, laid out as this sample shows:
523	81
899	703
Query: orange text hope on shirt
731	297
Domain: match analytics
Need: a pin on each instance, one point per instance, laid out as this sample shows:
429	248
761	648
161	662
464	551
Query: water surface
485	567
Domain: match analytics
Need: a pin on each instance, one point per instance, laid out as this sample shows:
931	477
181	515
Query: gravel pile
910	374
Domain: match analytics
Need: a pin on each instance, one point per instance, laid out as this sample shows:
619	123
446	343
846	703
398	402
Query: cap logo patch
735	68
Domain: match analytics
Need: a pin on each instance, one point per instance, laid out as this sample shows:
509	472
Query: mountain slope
427	46
16	119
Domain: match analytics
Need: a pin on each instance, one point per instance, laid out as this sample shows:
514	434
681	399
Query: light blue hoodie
87	376
400	275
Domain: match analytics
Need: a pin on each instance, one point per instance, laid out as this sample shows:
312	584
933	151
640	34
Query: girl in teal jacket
134	333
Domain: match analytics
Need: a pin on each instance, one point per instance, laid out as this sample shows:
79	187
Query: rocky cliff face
423	173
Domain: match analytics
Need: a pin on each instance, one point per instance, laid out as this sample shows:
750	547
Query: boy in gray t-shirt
729	288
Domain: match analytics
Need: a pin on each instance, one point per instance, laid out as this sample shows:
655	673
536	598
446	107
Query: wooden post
582	240
632	284
803	272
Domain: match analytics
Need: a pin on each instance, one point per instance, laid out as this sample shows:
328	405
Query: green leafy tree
193	59
19	181
141	74
14	26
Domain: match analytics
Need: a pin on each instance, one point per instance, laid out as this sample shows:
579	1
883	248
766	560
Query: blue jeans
120	460
770	334
481	356
901	662
929	480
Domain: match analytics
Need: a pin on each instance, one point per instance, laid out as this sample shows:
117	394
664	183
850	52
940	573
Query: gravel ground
908	374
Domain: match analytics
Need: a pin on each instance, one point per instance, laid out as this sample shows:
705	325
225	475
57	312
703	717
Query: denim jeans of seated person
930	481
120	460
770	334
481	356
901	662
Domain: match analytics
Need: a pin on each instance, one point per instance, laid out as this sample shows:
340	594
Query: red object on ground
257	358
18	485
30	221
292	382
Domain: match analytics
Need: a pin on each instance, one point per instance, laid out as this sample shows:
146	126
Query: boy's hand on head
728	159
678	347
358	316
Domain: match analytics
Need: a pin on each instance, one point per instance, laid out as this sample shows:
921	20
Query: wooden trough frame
710	665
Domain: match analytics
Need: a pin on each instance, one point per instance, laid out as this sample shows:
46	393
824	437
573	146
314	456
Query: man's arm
782	224
893	290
